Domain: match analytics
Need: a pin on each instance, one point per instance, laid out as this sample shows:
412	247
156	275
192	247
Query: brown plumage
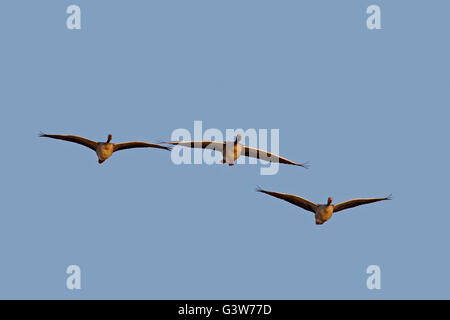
104	150
322	212
233	149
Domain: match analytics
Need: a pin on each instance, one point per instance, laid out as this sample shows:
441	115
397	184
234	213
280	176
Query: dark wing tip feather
305	165
169	148
258	189
389	197
41	134
159	144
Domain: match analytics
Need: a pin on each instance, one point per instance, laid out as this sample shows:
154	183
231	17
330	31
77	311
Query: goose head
330	200
109	138
238	138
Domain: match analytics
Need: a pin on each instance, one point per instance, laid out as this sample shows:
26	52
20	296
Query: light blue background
369	109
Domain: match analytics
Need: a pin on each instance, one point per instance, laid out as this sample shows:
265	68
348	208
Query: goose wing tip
165	145
305	165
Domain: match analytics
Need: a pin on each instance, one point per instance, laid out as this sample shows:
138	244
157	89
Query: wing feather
296	200
76	139
357	202
268	156
137	144
212	145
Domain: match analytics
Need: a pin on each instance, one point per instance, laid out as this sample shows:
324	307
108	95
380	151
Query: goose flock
231	151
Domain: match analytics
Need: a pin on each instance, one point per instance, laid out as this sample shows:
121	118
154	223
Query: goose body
231	151
322	212
104	150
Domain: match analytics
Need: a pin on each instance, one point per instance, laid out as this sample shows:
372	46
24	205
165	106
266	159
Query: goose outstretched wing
357	202
296	200
268	156
137	144
212	145
80	140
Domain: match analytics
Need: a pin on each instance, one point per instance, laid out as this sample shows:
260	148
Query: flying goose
104	150
233	150
323	212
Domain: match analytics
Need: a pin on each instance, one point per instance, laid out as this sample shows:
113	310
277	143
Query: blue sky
368	109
